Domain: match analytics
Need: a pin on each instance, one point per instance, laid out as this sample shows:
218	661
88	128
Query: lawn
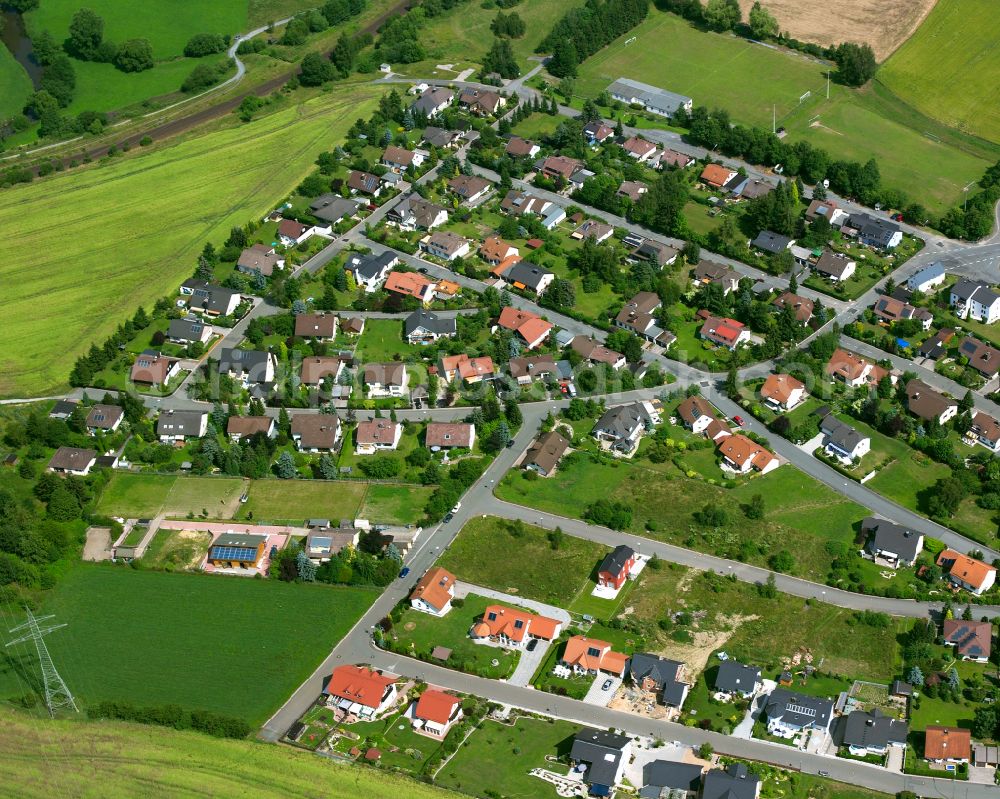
117	758
937	711
910	473
298	500
554	576
15	85
950	67
382	340
146	495
161	206
536	126
395	504
498	758
157	638
418	633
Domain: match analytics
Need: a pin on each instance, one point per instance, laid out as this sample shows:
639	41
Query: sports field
74	757
225	644
94	244
950	68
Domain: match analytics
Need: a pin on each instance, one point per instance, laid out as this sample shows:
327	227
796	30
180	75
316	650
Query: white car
457	506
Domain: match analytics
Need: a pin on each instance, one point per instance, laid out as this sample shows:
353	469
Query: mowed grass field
224	644
950	68
93	245
915	154
74	757
15	85
146	495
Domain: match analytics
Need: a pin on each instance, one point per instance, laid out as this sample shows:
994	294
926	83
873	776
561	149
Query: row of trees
585	30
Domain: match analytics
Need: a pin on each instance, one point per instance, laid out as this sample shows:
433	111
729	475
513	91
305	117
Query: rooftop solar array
233	553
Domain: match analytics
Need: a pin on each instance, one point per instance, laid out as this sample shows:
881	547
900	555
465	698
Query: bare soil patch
884	24
695	654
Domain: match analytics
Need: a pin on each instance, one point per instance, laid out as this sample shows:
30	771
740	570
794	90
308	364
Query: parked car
510	443
532	644
404	571
457	506
607	685
739	421
447	518
423	270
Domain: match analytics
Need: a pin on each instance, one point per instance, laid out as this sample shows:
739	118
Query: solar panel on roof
234	553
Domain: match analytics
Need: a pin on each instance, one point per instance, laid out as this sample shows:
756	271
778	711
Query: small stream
15	38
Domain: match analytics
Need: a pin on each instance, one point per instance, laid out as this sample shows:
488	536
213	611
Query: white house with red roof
435	712
529	326
358	691
723	331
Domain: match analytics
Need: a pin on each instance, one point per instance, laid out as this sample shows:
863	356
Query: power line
57	695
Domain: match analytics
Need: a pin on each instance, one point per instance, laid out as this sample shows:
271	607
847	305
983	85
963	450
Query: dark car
510	443
448	517
404	571
423	270
532	644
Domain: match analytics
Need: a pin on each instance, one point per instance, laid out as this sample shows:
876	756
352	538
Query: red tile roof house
319	326
854	370
782	392
435	712
597	132
594	352
973	575
725	332
386	379
434	592
398	159
947	744
591	656
359	692
513	627
639	149
411	284
450	435
496	250
717	176
973	640
317	368
154	369
471	370
741	455
364	182
71	460
802	307
529	326
526	369
316	432
699	416
245	426
521	148
377	434
291	232
616	567
560	166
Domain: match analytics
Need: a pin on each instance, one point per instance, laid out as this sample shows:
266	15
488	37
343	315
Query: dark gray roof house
178	424
736	782
622	424
439	137
256	365
794	711
873	732
367	268
900	688
211	299
769	241
737	678
63	409
427	324
874	231
185	331
616	559
528	274
333	207
889	540
654	672
605	754
662	776
840	435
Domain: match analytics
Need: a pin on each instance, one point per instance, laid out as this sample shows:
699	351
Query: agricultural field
117	757
950	67
156	638
130	230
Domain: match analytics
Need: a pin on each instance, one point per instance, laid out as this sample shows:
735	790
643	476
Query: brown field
884	24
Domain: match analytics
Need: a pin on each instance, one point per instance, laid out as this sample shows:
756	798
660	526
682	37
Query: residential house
593	229
63	409
495	250
825	208
154	369
316	432
174	427
782	392
982	357
240	427
873	231
666	778
450	435
717	176
891	543
527	369
890	309
188	331
399	159
655	253
973	640
597	132
593	352
471	370
699	416
209	300
591	656
377	434
411	284
424	327
364	182
360	692
439	137
676	159
835	267
616	567
947	744
521	148
317	368
318	326
604	755
386	379
481	102
260	260
545	452
724	332
737	679
447	290
370	271
842	441
638	148
435	712
526	276
985	430
416	213
432	101
974	300
936	345
742	455
104	419
532	329
652	98
621	426
331	208
854	370
353	325
559	166
968	573
434	592
928	278
733	782
323	542
513	627
710	272
445	245
470	188
659	675
928	404
772	243
632	189
801	306
518	202
637	316
237	551
789	713
870	733
72	460
749	189
292	232
247	366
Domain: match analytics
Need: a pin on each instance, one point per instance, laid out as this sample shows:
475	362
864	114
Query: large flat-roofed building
652	98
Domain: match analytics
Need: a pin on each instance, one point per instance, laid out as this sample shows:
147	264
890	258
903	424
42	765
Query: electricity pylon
57	695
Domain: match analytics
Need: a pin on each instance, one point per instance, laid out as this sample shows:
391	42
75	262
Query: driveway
528	664
745	728
812	444
597	695
894	762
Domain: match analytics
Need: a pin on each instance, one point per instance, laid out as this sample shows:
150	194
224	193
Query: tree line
585	30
